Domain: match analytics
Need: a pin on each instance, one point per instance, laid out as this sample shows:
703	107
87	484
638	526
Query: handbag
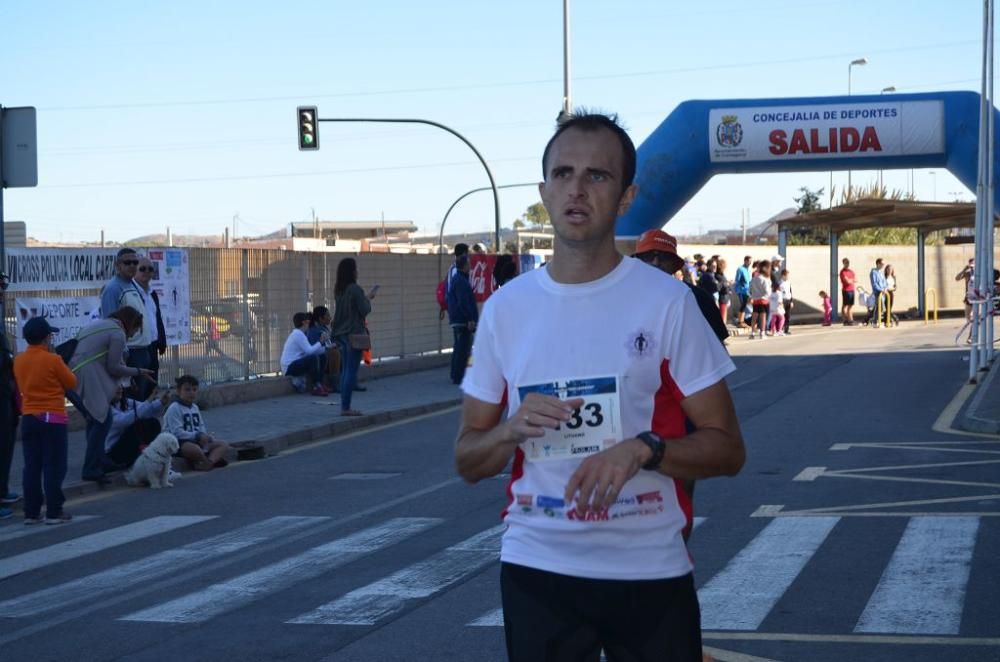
359	341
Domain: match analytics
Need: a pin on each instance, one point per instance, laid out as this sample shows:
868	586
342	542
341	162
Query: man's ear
628	197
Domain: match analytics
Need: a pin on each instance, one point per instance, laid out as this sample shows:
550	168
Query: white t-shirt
635	324
775	304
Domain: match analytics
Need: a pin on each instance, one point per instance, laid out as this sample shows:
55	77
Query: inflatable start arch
701	139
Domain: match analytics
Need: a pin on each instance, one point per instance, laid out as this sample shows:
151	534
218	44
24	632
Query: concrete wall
809	268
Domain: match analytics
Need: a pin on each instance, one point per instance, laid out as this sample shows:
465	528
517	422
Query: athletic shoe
320	391
61	518
11	497
299	384
33	520
6	513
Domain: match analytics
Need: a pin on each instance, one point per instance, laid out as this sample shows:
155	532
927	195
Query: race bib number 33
594	426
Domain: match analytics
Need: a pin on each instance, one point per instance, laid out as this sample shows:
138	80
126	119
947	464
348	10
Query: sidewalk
982	412
289	420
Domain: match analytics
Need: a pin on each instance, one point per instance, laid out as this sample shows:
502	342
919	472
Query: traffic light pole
493	185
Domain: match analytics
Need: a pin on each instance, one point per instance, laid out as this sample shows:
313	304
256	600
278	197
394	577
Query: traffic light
308	121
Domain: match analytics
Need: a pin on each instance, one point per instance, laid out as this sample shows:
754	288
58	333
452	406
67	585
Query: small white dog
153	466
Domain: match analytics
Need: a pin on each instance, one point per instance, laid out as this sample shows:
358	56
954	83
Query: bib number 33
591	428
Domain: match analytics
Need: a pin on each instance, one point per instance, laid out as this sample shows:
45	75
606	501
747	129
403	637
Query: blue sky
181	114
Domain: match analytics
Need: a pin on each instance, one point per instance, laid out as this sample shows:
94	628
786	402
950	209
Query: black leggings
556	618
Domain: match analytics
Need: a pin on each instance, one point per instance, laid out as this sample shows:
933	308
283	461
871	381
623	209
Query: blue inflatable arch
701	139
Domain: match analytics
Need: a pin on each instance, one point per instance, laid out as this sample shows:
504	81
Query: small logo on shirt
640	344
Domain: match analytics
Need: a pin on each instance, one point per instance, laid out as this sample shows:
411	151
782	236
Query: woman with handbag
352	306
99	364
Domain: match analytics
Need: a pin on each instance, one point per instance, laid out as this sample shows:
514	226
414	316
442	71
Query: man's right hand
540	412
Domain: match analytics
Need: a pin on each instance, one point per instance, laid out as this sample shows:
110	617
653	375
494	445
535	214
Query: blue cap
37	329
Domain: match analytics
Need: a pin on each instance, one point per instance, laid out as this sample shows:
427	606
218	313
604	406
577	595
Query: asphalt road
855	530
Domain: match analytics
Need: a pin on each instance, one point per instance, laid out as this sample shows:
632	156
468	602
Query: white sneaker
173	474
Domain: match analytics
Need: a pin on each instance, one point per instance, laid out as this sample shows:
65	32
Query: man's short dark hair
187	379
122	252
461	249
584	120
299	318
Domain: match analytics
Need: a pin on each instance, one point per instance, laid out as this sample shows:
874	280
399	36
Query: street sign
18	147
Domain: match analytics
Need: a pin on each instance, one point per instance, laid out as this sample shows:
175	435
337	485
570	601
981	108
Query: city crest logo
729	133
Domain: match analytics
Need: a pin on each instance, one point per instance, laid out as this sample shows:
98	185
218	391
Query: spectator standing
351	308
100	368
153	323
463	315
847	289
890	290
10	413
786	301
741	286
122	290
708	282
659	249
967	275
724	289
877	278
43	380
776	263
777	309
460	250
301	359
184	420
760	289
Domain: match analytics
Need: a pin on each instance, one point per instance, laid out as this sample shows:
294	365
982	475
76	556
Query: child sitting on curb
183	420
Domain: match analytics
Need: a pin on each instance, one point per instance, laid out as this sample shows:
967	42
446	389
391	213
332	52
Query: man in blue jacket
741	285
877	277
462	316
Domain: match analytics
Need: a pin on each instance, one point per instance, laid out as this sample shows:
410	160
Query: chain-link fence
243	300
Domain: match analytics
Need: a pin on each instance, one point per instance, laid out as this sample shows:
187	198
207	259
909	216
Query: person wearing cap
659	249
43	379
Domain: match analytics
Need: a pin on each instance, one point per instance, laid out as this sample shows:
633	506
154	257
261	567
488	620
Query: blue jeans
44	446
141	388
350	360
93	459
460	353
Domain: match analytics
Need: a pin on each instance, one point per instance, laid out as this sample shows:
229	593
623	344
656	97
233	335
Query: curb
968	419
275	444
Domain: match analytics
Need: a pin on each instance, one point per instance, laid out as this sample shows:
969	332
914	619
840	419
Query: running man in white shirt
597	359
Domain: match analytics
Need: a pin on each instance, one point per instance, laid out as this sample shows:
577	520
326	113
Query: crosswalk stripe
95	542
744	592
368	604
923	587
494	618
141	571
19	531
240	591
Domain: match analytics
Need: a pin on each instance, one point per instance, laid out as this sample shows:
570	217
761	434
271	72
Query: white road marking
767	511
868	509
365	476
810	473
733	656
239	591
145	570
19	530
368	604
923	587
744	592
95	542
494	618
875	639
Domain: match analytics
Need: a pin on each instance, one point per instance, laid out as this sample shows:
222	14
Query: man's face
187	393
144	272
846	262
582	190
127	265
747	261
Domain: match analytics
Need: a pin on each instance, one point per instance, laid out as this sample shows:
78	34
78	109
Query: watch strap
656	446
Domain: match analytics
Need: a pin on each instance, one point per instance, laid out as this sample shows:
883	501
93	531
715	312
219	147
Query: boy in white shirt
183	420
300	358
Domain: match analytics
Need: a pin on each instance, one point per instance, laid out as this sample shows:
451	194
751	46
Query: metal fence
250	295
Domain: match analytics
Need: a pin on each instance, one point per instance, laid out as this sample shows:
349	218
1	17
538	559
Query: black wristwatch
656	446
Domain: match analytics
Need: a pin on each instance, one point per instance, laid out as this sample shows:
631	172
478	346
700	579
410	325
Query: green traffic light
307	139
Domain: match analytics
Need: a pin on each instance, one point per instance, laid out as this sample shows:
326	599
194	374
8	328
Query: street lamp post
860	62
567	94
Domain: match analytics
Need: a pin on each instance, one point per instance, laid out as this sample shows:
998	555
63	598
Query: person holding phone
352	307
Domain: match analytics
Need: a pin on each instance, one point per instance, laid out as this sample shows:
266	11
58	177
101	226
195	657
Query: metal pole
835	274
987	322
980	197
455	204
921	273
247	327
489	173
567	94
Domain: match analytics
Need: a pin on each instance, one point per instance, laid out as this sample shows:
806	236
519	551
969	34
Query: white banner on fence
172	285
68	314
828	131
32	269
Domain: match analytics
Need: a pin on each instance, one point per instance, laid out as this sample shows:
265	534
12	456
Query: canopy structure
925	217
